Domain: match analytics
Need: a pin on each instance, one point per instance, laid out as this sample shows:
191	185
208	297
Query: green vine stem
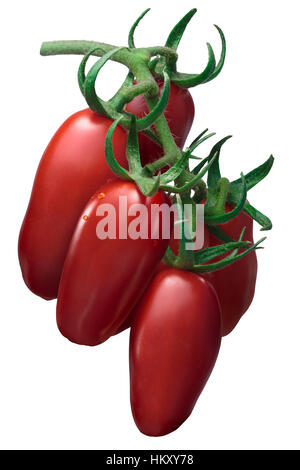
78	47
137	61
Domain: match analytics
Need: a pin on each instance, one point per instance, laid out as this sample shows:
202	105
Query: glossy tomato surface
103	279
235	284
179	114
72	168
174	342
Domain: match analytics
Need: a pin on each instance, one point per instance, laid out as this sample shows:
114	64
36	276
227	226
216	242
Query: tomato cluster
176	325
177	310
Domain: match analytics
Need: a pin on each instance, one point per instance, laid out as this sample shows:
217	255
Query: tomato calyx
143	176
221	191
198	261
144	64
186	80
252	179
113	108
201	267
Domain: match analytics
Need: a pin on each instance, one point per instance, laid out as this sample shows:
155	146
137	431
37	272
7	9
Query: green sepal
118	101
197	138
216	196
173	41
207	254
152	65
132	149
214	181
109	153
180	164
200	139
148	185
235	251
152	135
221	61
172	173
185	258
129	79
226	216
218	233
187	80
254	176
209	73
200	165
204	268
193	182
159	108
216	148
81	70
169	257
200	192
133	28
193	157
214	173
176	34
236	193
87	84
260	218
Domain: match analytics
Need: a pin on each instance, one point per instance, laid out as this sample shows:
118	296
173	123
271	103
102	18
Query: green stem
137	61
222	192
200	192
159	163
200	187
80	47
142	73
217	200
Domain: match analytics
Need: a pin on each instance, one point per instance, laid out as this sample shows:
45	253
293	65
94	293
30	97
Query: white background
56	395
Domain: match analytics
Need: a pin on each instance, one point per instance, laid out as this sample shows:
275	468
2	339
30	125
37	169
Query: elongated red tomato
103	279
71	169
235	284
179	113
174	342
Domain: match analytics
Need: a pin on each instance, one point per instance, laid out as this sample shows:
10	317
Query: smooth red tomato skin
179	113
174	342
102	280
235	284
72	168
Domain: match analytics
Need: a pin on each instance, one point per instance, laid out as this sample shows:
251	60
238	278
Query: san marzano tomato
235	284
102	280
174	342
71	169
